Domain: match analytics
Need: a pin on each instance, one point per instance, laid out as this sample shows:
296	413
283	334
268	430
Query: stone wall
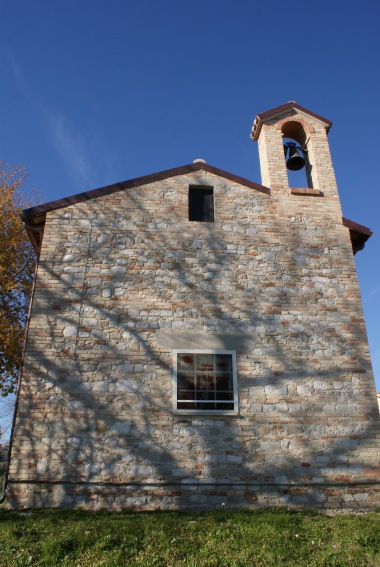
122	280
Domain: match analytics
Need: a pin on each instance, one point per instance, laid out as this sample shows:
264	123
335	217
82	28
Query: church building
197	339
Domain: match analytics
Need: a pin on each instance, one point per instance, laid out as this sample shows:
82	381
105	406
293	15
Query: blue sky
96	92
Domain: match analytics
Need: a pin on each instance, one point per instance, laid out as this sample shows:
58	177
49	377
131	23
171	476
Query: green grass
275	537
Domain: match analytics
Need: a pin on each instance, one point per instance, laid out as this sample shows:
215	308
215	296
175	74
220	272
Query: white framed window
205	381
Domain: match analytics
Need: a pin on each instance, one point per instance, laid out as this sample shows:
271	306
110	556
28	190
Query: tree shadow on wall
95	406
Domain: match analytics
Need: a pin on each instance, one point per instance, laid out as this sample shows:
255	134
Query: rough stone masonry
125	279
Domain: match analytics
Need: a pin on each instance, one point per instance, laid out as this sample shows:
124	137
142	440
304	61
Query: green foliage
224	538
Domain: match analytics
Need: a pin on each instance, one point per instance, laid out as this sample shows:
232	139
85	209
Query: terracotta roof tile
260	118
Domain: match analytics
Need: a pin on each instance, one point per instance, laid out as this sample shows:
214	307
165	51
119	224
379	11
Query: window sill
206	414
312	192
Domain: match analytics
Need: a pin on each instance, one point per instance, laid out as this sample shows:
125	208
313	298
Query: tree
17	265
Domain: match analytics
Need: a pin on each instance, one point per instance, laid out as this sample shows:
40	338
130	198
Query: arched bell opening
296	155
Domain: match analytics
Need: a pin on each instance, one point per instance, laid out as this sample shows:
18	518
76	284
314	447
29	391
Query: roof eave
359	234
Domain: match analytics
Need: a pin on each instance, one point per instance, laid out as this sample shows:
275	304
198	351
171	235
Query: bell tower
308	147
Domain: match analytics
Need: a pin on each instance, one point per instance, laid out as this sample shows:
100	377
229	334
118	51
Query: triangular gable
278	110
137	182
34	217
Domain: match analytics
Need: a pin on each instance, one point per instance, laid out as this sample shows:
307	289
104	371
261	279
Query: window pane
202	386
199	395
223	362
182	405
205	381
186	361
205	362
186	380
224	381
225	396
186	395
219	406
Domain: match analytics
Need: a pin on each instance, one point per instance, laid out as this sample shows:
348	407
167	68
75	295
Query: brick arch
295	128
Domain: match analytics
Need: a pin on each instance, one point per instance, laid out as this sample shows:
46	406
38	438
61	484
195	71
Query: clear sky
95	92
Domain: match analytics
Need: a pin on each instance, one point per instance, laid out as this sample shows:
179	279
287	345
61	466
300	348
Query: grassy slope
232	538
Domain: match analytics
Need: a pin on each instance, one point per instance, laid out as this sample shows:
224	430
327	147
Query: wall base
190	497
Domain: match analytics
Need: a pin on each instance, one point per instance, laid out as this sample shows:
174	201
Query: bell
295	161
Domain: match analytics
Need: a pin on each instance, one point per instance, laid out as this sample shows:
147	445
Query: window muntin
205	381
201	204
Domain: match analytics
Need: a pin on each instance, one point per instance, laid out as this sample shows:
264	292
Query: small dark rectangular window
201	204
